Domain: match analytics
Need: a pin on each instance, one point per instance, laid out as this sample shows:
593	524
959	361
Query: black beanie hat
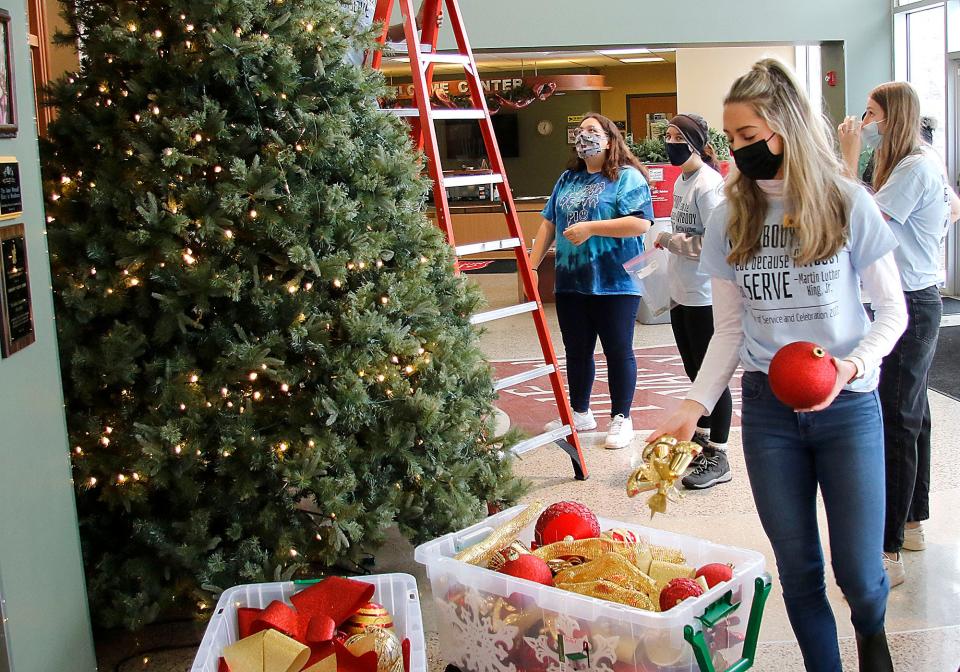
694	129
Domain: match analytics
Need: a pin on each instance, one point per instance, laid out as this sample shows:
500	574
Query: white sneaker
913	539
583	422
620	433
894	568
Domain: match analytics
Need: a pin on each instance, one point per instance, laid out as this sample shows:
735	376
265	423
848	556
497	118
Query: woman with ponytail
787	252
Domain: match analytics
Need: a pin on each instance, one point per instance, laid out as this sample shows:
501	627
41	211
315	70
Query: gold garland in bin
607	590
664	462
612	568
501	537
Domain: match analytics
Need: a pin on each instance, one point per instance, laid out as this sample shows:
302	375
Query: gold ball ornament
370	615
383	642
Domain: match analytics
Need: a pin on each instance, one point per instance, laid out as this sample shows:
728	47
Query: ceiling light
623	52
651	59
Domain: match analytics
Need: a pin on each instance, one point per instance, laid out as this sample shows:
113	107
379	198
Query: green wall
48	626
864	26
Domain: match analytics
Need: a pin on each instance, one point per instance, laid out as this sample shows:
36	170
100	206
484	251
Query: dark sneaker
704	444
713	468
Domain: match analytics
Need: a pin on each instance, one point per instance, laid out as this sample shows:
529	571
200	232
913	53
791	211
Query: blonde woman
787	252
913	195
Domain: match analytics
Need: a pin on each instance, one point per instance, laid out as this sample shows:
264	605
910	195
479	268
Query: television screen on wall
464	142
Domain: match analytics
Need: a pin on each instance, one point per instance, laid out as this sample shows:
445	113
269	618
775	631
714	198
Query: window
921	60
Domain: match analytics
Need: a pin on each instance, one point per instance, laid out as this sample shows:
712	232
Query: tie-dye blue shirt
596	267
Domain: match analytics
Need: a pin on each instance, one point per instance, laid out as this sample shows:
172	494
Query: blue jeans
788	456
611	317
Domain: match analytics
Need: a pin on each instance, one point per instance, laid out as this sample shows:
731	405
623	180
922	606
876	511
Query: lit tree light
217	169
132	27
256	396
253	375
108	430
284	388
121	479
135	476
194	378
92	481
336	281
158	33
228	234
178	449
183	407
105	441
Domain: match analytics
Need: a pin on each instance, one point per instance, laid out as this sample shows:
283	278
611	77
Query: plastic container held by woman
492	622
396	592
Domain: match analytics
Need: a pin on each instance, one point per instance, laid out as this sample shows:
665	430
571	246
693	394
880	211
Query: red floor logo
661	386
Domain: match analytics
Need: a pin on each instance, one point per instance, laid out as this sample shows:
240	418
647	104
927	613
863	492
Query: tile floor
923	618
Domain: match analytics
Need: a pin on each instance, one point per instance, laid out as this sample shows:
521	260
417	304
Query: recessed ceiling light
663	49
623	52
651	59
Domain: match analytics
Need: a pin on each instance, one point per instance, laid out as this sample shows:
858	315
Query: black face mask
757	162
678	152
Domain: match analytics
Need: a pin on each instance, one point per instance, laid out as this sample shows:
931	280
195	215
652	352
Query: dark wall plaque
11	198
17	308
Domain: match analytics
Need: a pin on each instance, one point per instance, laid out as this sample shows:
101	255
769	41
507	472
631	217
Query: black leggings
693	329
584	317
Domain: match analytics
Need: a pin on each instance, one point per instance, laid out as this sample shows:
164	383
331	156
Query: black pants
583	318
906	415
693	329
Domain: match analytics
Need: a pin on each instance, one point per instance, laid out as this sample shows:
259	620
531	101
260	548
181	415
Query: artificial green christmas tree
266	356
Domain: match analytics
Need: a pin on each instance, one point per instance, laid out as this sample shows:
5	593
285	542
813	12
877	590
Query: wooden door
37	37
645	107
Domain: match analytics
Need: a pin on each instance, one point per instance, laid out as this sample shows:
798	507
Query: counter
482	221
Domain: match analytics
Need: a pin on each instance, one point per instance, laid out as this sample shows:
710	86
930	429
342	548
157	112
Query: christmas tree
266	356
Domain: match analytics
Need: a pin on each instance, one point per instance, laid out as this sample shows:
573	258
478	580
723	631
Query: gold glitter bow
664	462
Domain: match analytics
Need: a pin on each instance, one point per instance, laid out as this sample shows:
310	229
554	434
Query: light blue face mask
870	134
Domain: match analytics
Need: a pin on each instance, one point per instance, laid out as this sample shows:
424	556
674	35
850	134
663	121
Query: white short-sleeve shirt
819	302
916	200
694	197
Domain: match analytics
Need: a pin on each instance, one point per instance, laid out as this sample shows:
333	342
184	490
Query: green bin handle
720	610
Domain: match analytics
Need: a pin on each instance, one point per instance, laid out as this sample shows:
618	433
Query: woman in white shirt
697	191
913	195
787	252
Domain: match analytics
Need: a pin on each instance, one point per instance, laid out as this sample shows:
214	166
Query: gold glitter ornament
501	537
664	462
384	643
370	615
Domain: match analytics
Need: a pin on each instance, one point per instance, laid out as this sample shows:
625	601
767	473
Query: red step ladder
421	48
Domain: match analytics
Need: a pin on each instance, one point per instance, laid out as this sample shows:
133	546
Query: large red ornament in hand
565	519
802	374
529	567
677	591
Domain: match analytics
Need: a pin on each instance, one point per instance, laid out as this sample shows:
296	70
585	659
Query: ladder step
400	49
542	440
489	246
470	180
504	383
500	313
456	59
451	113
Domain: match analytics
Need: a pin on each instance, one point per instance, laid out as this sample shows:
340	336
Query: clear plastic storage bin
492	622
396	592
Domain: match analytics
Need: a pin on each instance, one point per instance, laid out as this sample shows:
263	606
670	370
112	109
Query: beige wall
630	79
60	59
704	75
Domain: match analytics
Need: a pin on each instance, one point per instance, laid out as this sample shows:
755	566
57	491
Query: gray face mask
589	144
870	135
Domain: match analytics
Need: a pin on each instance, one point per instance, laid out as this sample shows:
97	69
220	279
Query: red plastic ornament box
492	622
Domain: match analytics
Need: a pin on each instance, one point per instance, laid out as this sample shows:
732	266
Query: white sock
703	432
721	447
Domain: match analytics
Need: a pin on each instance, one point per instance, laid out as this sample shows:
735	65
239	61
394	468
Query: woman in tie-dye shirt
598	210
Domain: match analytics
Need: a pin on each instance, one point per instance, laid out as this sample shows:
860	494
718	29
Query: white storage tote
492	622
396	592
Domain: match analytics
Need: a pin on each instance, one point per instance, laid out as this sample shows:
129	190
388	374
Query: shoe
704	444
913	539
620	433
715	468
873	654
583	422
894	568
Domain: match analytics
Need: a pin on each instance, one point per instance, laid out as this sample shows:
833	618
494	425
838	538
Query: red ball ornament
529	567
715	573
802	374
565	519
677	591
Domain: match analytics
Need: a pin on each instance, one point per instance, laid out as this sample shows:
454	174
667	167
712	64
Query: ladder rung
455	59
504	383
500	313
451	113
470	180
542	440
400	49
489	246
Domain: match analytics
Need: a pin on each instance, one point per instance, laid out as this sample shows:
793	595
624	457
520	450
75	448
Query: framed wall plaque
11	197
8	103
16	307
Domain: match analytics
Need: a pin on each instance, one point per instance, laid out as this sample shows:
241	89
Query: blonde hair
812	172
901	137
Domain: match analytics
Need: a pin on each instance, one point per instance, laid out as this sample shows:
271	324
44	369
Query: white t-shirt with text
819	302
694	198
